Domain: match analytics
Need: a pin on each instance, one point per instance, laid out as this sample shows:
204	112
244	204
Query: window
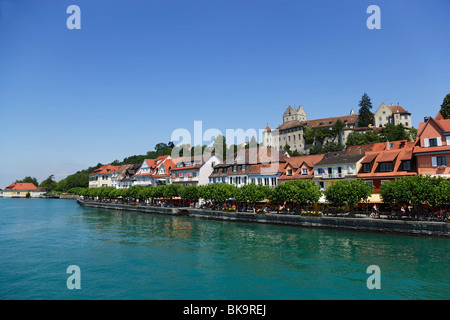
320	171
289	172
432	142
369	182
259	180
366	167
406	124
231	180
439	161
216	170
386	167
224	170
350	169
274	181
266	181
235	168
243	167
407	165
304	171
244	180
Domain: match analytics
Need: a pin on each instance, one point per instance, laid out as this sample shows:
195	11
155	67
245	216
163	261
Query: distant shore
364	224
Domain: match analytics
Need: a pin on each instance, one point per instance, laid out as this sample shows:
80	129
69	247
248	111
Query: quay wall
441	229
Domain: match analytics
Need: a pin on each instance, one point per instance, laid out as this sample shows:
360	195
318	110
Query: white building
392	115
193	170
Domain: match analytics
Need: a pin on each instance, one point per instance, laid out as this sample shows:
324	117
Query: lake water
128	255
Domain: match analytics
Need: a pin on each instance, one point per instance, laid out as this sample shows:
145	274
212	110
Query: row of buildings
375	163
269	165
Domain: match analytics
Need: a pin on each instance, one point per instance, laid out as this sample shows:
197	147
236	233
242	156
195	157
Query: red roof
397	109
21	186
108	169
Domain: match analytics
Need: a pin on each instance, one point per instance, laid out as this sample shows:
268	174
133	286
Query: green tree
49	184
252	193
348	192
365	116
29	180
190	192
414	191
445	107
397	132
368	137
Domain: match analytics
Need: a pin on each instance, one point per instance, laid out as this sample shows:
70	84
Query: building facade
432	148
21	190
335	166
193	170
262	165
153	172
392	115
102	177
292	131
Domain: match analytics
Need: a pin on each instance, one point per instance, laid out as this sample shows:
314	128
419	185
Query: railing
337	175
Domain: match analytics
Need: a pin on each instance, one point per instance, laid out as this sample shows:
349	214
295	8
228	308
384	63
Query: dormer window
386	167
304	171
366	167
433	142
289	172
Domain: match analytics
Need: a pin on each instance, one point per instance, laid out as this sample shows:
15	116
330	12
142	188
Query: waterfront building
101	177
387	161
335	166
432	147
391	115
20	190
259	165
301	167
124	176
154	172
291	132
193	170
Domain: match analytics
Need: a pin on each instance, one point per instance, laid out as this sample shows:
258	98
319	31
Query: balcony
336	175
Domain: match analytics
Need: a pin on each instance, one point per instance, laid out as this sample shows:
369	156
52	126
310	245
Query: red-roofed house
20	190
301	167
387	161
432	149
393	115
154	171
101	177
193	170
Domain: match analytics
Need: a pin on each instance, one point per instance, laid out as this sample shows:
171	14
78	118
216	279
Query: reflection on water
129	255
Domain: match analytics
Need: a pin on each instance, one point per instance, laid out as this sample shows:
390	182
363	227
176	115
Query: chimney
388	145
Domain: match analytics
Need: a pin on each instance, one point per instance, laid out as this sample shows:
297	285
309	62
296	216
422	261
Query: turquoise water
126	255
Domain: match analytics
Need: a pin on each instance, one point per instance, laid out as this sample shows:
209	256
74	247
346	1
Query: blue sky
139	69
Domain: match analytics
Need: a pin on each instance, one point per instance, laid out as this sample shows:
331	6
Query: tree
415	191
220	147
348	192
252	193
445	107
299	192
355	138
190	192
393	132
365	117
29	180
49	184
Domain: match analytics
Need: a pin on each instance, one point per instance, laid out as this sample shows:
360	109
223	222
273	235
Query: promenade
357	223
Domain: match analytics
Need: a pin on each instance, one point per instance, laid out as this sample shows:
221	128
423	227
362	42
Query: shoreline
362	224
